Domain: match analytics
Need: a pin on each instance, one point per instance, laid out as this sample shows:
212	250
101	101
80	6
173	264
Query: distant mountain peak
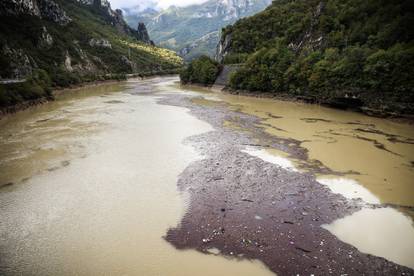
141	7
184	29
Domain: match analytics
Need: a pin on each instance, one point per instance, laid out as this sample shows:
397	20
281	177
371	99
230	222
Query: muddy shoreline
9	110
377	113
248	208
58	91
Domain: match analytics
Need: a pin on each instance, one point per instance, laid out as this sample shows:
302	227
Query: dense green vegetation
235	58
202	70
23	34
328	49
35	87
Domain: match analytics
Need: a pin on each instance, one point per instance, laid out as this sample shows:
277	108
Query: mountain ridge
182	28
71	41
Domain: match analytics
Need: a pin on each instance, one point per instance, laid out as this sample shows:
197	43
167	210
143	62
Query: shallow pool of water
383	232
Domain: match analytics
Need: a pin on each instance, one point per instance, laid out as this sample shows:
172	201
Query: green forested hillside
94	43
202	70
362	49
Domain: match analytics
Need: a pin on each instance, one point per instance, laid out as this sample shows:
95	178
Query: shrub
327	49
264	70
202	70
235	58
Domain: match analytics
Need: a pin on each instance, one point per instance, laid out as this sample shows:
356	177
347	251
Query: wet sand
249	208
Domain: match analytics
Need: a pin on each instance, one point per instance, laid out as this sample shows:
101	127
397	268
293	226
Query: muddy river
89	181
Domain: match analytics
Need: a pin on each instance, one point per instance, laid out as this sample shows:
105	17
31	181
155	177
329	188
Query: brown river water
89	181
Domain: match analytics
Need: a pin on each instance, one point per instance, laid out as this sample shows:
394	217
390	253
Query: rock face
88	63
201	23
132	66
52	11
18	7
58	36
116	18
21	65
100	42
204	41
224	76
46	39
68	62
86	2
230	9
45	9
312	38
223	47
142	33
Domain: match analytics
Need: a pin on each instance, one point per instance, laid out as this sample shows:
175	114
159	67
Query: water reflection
349	188
383	232
281	161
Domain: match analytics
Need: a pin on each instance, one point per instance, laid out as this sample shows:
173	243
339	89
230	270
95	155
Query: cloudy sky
159	3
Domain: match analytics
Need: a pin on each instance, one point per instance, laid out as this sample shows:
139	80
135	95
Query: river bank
246	186
242	206
59	91
349	104
56	92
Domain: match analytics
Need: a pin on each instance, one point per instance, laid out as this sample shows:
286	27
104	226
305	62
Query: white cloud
163	4
181	3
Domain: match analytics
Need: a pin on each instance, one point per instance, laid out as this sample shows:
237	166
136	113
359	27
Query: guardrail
11	81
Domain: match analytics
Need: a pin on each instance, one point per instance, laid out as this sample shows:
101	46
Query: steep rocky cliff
142	33
71	41
194	30
46	9
116	18
33	29
223	47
